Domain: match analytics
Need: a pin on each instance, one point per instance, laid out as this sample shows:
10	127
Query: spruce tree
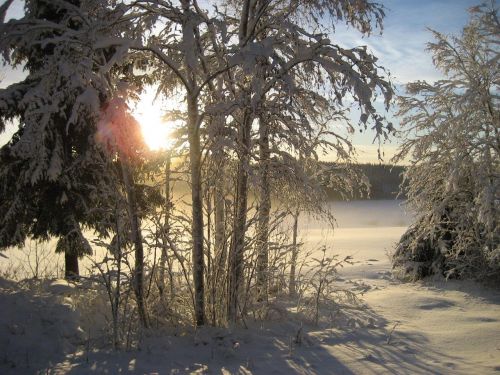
51	169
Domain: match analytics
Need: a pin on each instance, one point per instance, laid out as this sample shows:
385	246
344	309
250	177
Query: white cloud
401	47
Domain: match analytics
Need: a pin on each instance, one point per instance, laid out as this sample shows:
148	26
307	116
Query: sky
400	49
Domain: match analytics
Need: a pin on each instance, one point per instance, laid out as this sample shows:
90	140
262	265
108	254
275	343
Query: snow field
432	327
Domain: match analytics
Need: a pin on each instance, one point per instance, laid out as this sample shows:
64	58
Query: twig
390	333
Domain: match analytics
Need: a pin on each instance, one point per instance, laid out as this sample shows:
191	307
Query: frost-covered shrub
318	290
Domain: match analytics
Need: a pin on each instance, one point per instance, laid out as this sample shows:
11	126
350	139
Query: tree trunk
262	236
490	172
193	125
197	211
71	269
166	228
218	286
115	299
220	227
137	240
220	257
240	215
295	253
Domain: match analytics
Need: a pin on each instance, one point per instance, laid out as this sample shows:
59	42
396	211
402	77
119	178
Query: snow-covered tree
75	73
452	140
51	166
292	78
119	132
184	43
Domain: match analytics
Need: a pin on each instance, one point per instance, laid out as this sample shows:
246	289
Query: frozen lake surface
362	227
366	230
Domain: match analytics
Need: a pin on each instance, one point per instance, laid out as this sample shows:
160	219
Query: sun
156	131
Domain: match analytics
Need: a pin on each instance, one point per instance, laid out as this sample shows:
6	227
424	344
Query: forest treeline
376	181
381	181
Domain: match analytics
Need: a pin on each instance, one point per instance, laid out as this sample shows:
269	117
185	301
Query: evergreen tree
52	170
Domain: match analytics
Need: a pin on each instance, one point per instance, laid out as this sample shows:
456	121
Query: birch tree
184	48
452	141
257	51
119	133
277	52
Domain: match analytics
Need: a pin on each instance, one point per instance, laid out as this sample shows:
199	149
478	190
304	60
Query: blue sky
400	48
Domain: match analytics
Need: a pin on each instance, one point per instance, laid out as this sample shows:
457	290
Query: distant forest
384	182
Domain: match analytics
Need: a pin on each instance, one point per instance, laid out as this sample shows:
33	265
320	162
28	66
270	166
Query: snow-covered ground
432	327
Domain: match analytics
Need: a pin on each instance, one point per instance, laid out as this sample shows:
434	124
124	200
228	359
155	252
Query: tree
279	56
70	109
452	140
119	132
51	167
182	61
